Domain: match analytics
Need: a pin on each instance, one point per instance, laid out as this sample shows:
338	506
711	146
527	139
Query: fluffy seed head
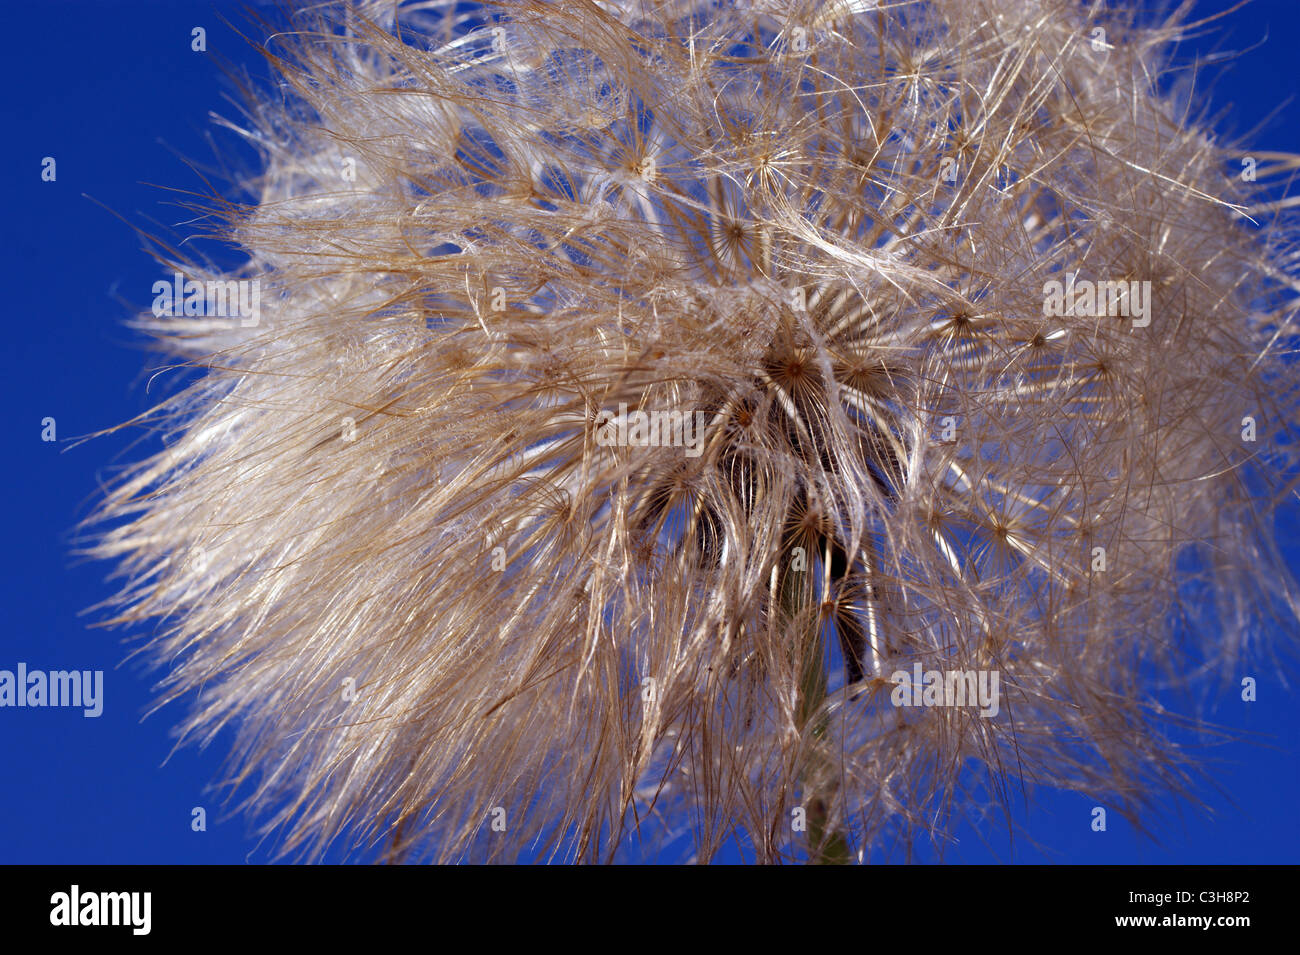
640	388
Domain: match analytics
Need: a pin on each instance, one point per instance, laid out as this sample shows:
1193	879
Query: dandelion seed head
823	231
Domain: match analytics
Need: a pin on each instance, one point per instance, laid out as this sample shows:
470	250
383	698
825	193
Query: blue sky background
113	91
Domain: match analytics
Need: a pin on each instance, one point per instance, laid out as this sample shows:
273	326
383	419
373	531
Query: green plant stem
825	847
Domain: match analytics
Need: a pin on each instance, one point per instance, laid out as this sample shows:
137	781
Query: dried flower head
649	400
